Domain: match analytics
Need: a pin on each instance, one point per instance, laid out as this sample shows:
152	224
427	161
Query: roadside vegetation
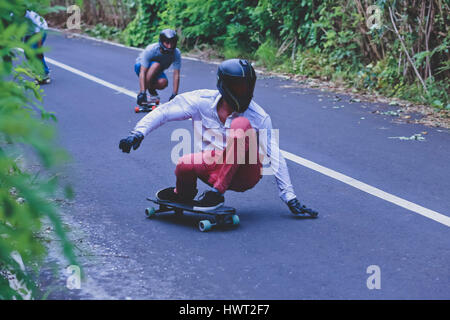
397	49
29	161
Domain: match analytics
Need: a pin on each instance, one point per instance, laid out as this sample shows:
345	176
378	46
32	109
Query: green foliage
143	29
267	54
329	39
224	23
313	63
106	32
26	142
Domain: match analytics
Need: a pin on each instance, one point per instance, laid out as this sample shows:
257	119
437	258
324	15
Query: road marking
92	78
436	216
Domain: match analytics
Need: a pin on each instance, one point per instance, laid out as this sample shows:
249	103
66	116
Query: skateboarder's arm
279	168
278	165
182	107
176	71
142	79
176	81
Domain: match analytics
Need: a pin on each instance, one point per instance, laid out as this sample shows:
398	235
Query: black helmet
236	81
168	35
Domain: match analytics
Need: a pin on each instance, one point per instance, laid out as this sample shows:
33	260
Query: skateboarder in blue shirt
38	25
152	62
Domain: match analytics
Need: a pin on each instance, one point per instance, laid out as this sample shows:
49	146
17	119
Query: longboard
147	107
220	216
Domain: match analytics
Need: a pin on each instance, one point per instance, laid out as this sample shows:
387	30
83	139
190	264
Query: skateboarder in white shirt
232	114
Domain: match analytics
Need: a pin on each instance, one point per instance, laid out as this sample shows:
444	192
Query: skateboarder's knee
240	127
152	72
154	66
161	83
240	123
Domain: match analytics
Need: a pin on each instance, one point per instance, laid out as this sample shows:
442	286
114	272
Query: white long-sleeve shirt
201	107
39	23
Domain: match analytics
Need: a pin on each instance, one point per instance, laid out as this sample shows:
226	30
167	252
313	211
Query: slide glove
134	140
172	96
141	98
298	209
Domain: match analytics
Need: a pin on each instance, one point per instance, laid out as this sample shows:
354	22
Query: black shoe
45	80
169	194
209	200
153	92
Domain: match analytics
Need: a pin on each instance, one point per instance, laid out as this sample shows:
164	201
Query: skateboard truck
147	107
205	225
217	217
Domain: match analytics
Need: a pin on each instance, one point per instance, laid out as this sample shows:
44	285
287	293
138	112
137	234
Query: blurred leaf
27	141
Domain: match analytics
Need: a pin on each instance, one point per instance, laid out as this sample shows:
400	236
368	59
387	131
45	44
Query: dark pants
40	56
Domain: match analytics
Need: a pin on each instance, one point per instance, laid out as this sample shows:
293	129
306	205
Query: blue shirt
153	53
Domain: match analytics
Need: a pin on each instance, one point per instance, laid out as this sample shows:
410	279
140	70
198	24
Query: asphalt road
271	254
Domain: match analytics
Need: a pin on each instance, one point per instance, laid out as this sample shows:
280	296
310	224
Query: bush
106	32
143	30
267	54
278	33
26	138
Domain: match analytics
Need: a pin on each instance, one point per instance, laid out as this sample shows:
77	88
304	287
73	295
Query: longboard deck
146	107
223	210
220	216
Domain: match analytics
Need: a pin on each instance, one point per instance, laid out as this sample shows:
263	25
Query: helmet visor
168	45
170	42
240	91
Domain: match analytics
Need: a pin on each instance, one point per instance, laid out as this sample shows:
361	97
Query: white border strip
436	216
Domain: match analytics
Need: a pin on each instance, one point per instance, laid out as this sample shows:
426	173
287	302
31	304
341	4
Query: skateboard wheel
204	225
150	212
136	109
153	108
235	219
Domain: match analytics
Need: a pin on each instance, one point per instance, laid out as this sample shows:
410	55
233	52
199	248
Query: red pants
224	170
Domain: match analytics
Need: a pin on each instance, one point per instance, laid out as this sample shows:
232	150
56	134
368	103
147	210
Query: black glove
172	96
141	98
134	140
301	210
